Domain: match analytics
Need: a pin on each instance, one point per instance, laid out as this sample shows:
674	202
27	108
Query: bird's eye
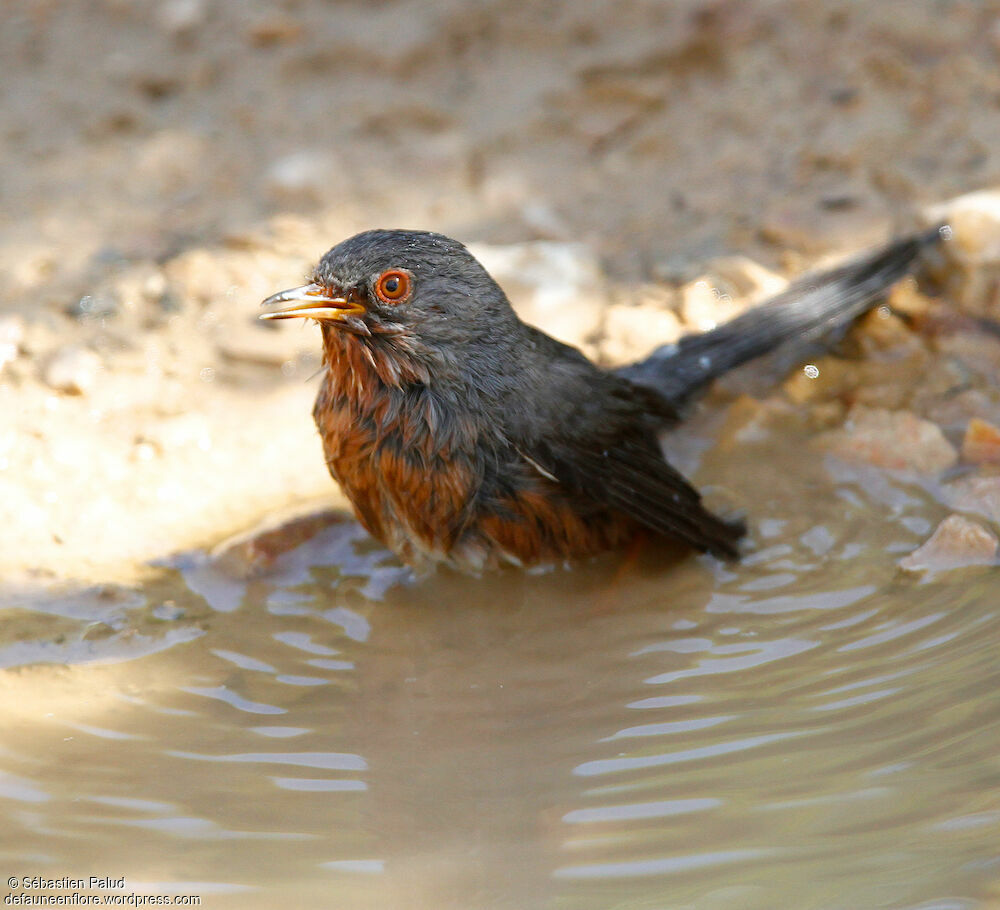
393	286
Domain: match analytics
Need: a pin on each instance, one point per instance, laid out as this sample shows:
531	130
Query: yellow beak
310	301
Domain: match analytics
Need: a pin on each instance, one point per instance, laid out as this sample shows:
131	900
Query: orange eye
393	286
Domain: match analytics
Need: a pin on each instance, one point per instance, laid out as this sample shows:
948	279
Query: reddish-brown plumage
421	504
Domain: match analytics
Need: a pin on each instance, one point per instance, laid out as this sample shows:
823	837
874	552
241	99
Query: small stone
632	331
975	494
981	443
973	227
253	554
971	255
955	543
154	286
898	440
703	306
955	411
976	350
102	303
11	336
168	611
73	370
730	285
741	277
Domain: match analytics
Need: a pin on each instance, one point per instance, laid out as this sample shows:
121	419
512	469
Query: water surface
805	728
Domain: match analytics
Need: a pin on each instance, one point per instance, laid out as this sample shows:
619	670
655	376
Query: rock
101	304
253	554
898	440
972	250
703	306
974	227
976	351
631	331
955	543
73	370
557	286
975	494
11	336
731	285
981	443
741	277
955	411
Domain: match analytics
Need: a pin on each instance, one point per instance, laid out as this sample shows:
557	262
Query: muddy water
806	728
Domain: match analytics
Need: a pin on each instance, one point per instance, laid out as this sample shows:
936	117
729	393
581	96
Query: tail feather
809	309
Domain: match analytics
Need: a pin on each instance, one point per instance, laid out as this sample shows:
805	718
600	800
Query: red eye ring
393	286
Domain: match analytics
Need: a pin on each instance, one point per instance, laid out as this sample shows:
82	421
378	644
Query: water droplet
811	370
207	374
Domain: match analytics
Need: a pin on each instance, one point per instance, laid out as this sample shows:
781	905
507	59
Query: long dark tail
809	309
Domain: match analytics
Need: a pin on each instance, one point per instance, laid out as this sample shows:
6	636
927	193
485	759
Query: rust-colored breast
424	493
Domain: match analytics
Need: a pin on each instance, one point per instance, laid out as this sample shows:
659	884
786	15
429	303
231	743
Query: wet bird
463	436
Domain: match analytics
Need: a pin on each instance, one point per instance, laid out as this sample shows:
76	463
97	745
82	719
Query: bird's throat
358	365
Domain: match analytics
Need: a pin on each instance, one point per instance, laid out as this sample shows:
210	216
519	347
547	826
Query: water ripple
614	765
666	865
227	695
329	761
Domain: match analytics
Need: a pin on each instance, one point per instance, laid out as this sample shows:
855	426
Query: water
806	728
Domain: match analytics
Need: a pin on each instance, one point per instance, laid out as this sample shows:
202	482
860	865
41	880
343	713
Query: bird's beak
312	301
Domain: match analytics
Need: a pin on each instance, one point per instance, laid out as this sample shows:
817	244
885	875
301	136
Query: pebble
631	331
974	222
731	285
972	253
703	306
898	440
740	276
975	494
955	543
11	336
73	370
253	554
981	444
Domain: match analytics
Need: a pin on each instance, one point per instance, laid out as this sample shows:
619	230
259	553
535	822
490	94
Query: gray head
394	282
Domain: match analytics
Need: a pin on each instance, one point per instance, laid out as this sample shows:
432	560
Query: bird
465	437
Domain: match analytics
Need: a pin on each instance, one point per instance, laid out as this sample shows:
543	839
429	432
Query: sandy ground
168	164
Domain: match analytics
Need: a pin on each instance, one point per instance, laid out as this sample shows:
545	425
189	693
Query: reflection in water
800	729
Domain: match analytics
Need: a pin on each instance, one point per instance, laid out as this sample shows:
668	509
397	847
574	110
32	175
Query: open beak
311	301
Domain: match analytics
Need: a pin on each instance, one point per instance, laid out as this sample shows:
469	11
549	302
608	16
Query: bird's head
416	285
